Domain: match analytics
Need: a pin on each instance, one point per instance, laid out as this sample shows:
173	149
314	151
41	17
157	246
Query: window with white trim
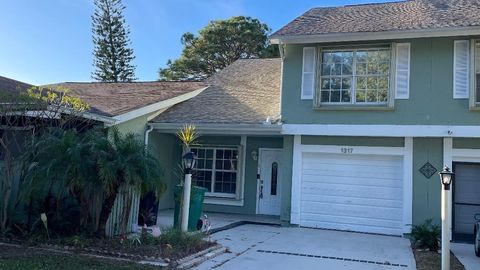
477	73
217	170
355	76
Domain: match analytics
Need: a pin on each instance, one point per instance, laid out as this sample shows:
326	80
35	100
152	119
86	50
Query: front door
269	187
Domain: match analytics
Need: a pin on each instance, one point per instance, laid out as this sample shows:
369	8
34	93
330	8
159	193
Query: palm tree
92	167
130	165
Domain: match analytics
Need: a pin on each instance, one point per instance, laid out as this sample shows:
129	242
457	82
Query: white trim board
406	152
385	35
382	130
222	129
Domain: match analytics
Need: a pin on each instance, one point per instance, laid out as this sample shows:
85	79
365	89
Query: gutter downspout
147	132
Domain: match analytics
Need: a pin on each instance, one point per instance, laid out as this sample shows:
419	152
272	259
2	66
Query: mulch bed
430	260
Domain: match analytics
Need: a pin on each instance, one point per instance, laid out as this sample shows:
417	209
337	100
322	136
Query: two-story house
350	128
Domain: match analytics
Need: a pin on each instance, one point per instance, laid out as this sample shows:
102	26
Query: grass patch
12	258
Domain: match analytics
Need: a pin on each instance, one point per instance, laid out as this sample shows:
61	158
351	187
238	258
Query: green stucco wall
426	192
169	152
353	141
431	99
466	143
136	126
287	178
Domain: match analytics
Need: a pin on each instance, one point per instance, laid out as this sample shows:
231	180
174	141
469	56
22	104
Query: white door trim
451	155
259	163
406	152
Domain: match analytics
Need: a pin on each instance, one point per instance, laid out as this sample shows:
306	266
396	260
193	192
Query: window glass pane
335	96
477	71
360	95
325	83
325	96
274	175
225	182
346	96
361	83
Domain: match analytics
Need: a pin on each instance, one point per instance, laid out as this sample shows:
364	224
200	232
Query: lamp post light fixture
446	177
188	164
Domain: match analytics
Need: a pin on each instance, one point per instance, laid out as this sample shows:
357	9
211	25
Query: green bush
426	235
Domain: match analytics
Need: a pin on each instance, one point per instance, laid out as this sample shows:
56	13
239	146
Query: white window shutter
308	72
461	67
402	69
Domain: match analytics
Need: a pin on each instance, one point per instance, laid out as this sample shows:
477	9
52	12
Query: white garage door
352	192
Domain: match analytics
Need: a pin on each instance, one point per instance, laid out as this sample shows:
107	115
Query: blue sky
46	41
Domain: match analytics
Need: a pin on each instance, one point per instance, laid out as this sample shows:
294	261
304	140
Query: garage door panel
347	180
351	200
347	170
352	227
352	221
352	159
352	192
353	211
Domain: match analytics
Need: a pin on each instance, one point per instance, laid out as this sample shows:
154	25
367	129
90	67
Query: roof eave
222	129
385	35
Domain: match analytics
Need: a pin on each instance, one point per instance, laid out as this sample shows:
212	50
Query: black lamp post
446	176
189	162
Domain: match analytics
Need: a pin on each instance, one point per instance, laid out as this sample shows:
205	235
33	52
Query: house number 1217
346	150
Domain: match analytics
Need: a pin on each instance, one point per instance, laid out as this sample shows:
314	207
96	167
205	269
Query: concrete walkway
466	255
219	220
268	247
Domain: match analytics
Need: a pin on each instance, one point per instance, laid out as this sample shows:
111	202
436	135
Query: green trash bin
196	204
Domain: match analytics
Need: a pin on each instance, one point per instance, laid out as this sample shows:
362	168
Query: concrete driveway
267	247
466	255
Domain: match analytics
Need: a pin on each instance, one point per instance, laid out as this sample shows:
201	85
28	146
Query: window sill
354	108
474	108
223	201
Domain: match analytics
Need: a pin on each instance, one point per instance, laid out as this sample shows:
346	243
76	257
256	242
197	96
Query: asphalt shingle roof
8	85
393	16
112	99
245	92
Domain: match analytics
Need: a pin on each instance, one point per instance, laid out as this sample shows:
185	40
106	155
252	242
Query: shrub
426	235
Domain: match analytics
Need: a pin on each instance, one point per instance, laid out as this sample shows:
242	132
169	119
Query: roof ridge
10	79
377	3
176	81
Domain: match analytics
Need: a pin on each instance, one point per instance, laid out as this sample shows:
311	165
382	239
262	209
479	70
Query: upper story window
477	72
360	77
355	76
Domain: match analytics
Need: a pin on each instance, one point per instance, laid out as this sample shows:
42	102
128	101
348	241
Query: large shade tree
218	45
113	56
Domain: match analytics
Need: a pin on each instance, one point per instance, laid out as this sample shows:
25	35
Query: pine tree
112	55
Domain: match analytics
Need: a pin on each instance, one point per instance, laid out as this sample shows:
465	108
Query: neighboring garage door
352	192
466	200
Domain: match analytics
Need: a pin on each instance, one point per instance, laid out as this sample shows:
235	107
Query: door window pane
273	189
